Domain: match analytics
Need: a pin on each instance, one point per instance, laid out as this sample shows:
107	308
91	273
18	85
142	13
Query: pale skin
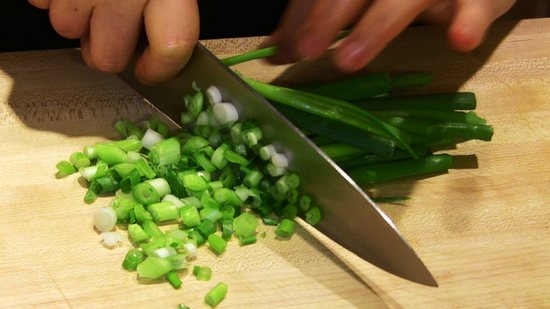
309	27
109	29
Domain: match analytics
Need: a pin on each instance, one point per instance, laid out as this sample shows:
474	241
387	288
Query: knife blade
350	217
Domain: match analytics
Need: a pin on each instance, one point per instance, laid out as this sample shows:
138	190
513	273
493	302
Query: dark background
24	27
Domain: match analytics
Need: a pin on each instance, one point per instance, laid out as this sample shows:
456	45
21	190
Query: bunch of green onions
370	130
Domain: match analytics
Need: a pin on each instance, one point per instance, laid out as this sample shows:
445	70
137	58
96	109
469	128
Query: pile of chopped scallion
214	180
176	191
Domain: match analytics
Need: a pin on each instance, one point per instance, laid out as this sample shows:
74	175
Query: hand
109	30
309	27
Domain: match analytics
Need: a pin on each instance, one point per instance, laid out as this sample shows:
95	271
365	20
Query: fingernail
350	56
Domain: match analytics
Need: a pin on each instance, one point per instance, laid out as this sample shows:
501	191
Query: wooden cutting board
482	229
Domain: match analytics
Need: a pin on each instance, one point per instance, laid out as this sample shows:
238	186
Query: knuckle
66	26
173	50
107	63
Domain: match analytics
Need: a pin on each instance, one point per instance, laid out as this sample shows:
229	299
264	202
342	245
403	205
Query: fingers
109	31
172	29
310	27
439	13
286	33
41	4
70	18
472	20
113	33
313	42
380	24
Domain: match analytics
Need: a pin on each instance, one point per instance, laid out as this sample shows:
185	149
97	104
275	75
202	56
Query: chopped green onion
290	211
136	233
163	211
313	215
194	182
142	214
197	237
245	224
105	219
145	193
174	279
279	160
156	124
145	169
152	229
267	151
275	170
253	178
286	228
93	171
227	196
270	221
217	243
190	216
225	113
124	208
153	268
206	227
105	184
111	154
173	199
126	128
213	94
235	157
202	273
125	168
248	240
305	202
227	228
79	159
150	138
204	162
90	195
163	252
216	294
132	259
166	152
210	214
194	105
193	144
65	168
217	158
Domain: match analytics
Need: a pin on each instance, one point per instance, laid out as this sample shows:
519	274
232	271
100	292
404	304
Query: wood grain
483	232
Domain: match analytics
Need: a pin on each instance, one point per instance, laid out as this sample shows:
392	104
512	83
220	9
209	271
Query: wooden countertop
482	232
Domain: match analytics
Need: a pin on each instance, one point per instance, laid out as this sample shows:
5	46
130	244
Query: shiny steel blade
350	217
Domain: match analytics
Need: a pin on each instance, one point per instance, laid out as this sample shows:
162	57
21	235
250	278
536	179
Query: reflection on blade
350	217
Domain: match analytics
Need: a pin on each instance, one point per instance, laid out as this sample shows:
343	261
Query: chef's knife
350	217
